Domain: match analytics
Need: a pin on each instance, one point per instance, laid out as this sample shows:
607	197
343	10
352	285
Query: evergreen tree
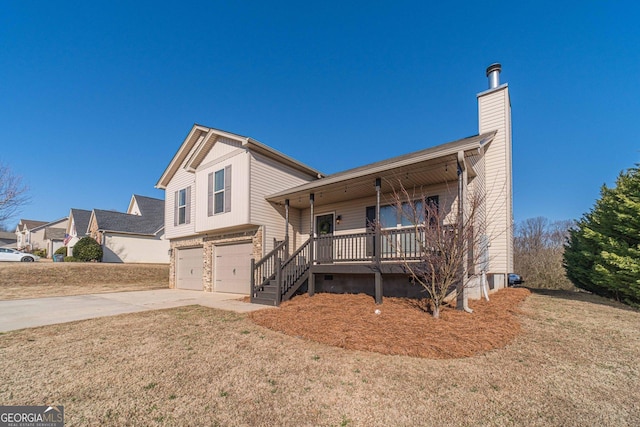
603	253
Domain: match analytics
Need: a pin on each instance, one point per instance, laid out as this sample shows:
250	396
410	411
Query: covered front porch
346	214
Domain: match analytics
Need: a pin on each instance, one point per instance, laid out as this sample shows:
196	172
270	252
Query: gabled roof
149	223
52	233
50	224
30	224
428	166
202	138
81	219
150	206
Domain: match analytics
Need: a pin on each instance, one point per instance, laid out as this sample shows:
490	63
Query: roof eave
431	153
290	161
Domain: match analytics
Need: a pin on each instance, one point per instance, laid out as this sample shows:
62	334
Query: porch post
312	281
253	279
378	246
286	226
462	195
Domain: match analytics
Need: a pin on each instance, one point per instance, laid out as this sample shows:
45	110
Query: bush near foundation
87	250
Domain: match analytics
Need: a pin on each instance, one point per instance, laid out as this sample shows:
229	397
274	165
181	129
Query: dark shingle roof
81	219
149	222
31	224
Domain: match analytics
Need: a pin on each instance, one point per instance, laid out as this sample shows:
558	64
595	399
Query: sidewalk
29	313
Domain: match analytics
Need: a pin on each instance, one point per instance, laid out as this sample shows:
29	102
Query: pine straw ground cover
403	327
47	279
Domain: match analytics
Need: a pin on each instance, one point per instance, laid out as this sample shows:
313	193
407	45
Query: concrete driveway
29	313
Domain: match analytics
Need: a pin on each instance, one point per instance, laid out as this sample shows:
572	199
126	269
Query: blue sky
96	97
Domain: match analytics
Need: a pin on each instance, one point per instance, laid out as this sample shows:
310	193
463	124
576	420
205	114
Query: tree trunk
436	311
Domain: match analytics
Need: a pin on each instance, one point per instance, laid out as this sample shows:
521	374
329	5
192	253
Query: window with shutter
220	196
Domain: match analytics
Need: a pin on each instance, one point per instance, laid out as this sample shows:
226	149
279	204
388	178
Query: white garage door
233	268
189	269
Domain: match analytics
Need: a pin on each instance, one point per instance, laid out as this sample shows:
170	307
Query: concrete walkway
29	313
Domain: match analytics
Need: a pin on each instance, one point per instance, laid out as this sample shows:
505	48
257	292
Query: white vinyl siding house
229	177
135	236
245	195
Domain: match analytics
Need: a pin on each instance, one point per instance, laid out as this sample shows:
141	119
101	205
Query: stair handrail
294	267
265	269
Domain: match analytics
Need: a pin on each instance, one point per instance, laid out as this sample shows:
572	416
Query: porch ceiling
421	169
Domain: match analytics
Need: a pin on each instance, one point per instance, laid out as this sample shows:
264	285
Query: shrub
87	249
42	253
71	259
61	251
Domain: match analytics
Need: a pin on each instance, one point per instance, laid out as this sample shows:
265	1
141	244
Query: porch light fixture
338	219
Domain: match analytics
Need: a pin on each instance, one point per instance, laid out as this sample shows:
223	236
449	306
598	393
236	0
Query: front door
324	232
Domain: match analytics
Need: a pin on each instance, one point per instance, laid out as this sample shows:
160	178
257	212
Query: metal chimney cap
494	67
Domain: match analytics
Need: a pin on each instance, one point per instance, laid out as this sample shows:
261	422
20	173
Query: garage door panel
233	268
189	266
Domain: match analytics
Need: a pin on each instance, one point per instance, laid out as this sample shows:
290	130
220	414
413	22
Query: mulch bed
403	327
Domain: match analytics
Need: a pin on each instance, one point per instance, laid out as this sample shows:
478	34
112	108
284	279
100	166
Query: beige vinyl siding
494	114
239	213
36	238
181	179
268	177
123	248
220	149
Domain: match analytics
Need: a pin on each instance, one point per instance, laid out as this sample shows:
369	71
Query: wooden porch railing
286	273
396	245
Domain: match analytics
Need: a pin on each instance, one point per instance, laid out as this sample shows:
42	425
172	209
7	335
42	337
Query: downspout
462	300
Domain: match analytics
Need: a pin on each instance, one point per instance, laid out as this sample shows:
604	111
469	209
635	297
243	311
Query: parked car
515	279
14	255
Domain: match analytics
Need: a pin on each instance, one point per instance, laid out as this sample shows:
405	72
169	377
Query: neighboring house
23	233
54	239
8	239
136	236
39	235
49	236
76	228
244	218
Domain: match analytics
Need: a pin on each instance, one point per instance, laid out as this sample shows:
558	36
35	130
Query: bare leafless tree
13	193
438	249
538	248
